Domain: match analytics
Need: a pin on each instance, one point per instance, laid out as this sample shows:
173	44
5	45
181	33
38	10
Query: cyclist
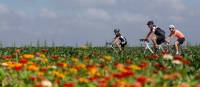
156	34
119	40
179	35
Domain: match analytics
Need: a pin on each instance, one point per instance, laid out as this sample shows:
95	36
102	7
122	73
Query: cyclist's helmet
116	30
171	27
150	22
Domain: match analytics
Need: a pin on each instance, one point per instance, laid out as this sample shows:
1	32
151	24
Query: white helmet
171	26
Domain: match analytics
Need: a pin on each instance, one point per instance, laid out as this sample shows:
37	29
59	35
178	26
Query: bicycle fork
147	47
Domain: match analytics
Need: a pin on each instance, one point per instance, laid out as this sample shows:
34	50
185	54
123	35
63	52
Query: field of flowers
97	67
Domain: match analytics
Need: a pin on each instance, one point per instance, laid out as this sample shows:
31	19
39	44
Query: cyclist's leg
117	43
159	41
123	45
178	43
177	47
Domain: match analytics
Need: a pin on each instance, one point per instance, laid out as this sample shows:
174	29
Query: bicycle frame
112	46
148	47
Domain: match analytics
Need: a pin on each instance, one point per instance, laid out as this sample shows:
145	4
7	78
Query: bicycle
161	48
111	45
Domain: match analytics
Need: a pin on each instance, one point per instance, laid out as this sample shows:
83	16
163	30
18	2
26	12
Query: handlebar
144	40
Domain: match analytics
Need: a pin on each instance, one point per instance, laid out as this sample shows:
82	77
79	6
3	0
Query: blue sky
74	22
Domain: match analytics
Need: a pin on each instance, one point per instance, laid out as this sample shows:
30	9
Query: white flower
4	64
176	62
46	83
168	57
54	67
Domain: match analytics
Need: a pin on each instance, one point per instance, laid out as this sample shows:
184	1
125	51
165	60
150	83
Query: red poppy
43	69
68	84
106	78
142	79
128	73
38	85
102	83
187	62
197	85
55	57
160	66
123	74
152	56
93	78
7	57
23	61
44	50
33	78
128	68
18	68
136	84
60	64
118	75
181	58
178	57
143	64
57	81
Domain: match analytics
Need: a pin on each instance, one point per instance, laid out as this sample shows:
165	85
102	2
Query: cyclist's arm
171	34
115	40
169	37
150	32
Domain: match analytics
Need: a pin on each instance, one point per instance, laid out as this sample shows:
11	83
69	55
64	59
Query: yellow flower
92	70
81	66
33	68
44	60
58	74
65	65
61	75
29	62
42	56
108	58
73	70
40	73
98	74
75	60
83	80
28	56
122	83
17	65
10	64
134	67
